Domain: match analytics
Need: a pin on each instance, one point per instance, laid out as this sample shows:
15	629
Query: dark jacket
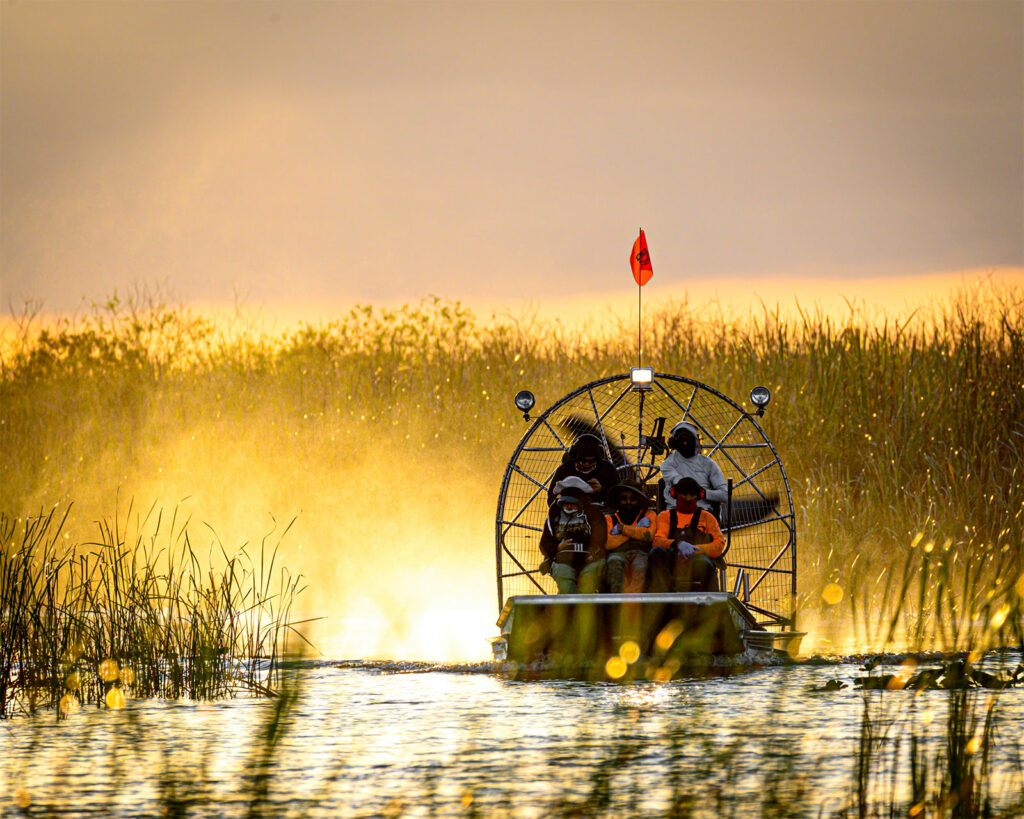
593	549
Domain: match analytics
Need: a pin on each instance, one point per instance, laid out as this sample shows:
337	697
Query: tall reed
137	612
886	428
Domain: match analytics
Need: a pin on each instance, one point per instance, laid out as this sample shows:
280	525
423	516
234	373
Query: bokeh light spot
630	652
615	667
108	671
832	593
667	636
115	698
999	617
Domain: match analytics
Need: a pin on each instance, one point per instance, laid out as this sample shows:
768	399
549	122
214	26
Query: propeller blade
752	509
577	425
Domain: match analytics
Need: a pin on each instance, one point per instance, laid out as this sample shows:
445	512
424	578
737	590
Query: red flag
640	261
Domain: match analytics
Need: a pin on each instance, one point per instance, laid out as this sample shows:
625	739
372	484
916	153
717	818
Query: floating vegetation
138	613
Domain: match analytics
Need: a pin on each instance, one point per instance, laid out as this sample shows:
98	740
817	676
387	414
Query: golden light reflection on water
389	731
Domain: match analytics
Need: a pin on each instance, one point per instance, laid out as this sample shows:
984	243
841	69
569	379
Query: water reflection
358	742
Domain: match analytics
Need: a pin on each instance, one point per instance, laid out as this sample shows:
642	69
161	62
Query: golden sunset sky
306	155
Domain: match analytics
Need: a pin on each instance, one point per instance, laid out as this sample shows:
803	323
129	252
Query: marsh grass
969	605
138	612
943	597
887	428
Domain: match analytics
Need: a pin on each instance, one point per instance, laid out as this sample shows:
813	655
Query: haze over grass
385	432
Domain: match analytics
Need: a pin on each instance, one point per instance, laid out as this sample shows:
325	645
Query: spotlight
759	397
524	403
641	377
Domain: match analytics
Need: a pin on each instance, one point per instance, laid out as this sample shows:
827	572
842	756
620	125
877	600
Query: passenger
586	459
573	541
630	534
687	461
686	542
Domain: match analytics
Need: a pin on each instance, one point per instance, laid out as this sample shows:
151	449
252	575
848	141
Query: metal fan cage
625	415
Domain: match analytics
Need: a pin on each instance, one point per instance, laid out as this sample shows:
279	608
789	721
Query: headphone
676	438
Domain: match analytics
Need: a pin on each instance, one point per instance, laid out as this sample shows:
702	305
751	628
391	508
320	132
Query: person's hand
644	521
616	530
594	482
565	543
686	549
545	566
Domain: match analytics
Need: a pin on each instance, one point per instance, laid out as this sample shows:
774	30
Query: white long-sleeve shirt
703	470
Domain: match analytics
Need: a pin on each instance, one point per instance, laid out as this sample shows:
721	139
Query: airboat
751	621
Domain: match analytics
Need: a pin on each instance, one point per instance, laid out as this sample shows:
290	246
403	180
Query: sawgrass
136	613
887	428
965	604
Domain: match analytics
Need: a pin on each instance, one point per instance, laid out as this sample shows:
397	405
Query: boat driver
687	540
573	540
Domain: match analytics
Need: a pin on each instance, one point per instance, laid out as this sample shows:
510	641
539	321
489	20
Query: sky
323	153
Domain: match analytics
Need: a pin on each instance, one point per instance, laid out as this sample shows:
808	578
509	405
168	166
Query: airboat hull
671	634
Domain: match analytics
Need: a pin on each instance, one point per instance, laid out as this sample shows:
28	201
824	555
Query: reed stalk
138	612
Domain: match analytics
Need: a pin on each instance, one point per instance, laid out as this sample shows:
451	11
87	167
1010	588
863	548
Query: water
364	743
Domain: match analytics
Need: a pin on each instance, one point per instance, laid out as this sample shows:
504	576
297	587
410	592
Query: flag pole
640	262
639	323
